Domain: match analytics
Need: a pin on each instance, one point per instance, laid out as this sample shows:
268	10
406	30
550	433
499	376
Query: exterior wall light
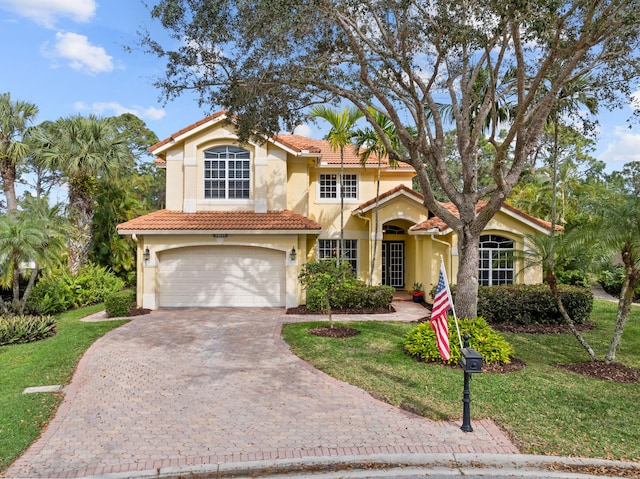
146	256
293	255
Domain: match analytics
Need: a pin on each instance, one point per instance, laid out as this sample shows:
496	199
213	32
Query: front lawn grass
545	409
43	363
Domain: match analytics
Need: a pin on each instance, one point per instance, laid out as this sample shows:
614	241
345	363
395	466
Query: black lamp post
471	362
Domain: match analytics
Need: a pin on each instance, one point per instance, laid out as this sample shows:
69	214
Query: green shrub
25	329
611	280
350	294
118	304
574	277
532	304
420	342
61	290
328	280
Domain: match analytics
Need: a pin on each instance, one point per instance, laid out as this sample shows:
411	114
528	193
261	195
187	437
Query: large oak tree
269	60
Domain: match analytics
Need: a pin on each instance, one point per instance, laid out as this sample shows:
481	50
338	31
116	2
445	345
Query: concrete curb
444	464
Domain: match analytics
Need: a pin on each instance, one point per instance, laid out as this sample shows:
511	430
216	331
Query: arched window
496	261
226	173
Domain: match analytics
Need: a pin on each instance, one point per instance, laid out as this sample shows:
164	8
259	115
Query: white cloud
81	55
303	130
46	12
113	108
624	147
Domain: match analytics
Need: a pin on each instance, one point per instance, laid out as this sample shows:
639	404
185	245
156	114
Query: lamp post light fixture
293	255
146	256
471	362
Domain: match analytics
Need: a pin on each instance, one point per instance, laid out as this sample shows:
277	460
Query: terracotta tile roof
186	129
440	225
300	143
389	193
164	220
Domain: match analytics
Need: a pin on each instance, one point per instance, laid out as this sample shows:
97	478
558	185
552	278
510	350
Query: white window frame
329	187
230	159
329	248
496	262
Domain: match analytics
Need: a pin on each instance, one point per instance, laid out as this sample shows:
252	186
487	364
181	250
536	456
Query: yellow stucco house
241	220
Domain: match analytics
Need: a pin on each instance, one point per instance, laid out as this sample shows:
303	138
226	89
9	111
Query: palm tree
30	240
339	137
84	149
15	123
617	232
369	142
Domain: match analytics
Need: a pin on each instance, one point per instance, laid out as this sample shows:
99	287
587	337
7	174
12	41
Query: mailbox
471	360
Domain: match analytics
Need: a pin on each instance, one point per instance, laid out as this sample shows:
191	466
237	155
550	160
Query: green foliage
611	280
333	286
25	329
573	277
532	304
420	342
63	290
118	304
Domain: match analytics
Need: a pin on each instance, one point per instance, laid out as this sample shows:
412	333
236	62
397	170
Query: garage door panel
221	276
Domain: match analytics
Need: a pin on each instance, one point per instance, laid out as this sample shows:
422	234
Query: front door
393	263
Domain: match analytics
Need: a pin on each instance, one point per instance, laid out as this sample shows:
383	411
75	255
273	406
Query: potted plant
417	293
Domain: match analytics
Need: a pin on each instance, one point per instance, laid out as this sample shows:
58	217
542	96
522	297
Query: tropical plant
85	149
339	137
369	143
618	233
15	123
29	241
322	279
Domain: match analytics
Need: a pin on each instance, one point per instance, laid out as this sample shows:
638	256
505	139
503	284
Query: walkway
204	387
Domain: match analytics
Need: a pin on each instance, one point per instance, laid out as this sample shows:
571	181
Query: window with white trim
227	172
496	261
330	186
329	248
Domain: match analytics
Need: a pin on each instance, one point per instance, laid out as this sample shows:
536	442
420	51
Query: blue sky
68	57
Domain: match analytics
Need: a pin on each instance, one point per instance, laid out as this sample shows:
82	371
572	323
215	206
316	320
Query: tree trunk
377	221
8	173
15	303
624	307
466	303
81	216
341	248
553	285
27	291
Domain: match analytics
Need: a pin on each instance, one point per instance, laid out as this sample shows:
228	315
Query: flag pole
453	309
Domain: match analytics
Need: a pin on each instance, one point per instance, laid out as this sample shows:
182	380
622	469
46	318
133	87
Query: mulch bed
541	328
335	332
382	310
138	312
614	372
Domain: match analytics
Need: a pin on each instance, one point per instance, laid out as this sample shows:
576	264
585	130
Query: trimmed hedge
118	304
351	294
420	342
533	304
25	329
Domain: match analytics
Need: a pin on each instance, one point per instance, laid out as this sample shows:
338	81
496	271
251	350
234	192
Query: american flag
441	304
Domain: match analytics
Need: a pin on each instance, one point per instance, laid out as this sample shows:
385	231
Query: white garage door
221	276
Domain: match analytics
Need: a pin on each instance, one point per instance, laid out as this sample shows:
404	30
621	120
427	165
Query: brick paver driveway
190	387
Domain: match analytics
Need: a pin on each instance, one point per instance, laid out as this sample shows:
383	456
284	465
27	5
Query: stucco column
377	271
292	290
190	202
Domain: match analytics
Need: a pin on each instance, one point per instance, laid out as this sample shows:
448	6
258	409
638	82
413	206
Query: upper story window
330	186
496	261
226	173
